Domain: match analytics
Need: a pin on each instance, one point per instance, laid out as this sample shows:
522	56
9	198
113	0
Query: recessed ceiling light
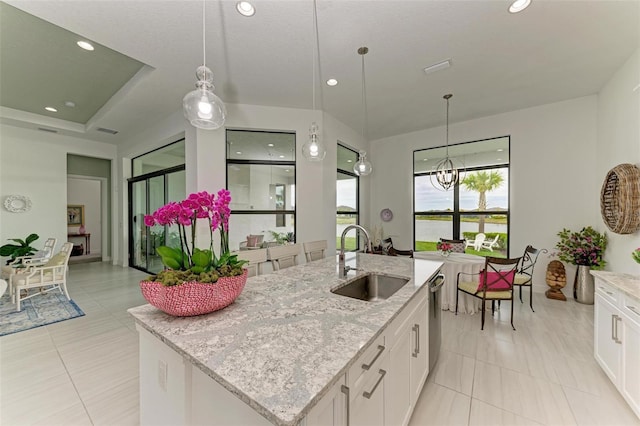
499	149
349	161
437	67
245	8
70	104
51	109
238	152
287	170
85	45
269	144
424	159
282	156
519	6
498	159
332	82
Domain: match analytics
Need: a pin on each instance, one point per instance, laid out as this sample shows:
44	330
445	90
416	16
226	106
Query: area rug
41	310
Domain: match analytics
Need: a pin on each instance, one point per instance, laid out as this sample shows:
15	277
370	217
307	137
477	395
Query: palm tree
482	182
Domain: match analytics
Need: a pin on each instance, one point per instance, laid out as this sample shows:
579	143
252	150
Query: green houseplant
22	248
195	280
585	247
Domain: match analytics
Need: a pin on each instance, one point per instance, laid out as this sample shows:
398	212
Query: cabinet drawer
367	365
631	307
608	292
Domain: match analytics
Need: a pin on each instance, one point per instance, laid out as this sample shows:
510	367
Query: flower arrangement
585	247
189	263
445	248
636	255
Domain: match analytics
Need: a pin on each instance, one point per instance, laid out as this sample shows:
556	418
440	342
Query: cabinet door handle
369	394
633	309
345	390
617	340
373	361
613	327
416	329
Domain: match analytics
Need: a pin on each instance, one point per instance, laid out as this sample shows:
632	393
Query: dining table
453	263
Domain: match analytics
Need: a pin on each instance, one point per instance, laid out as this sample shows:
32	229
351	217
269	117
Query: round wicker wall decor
620	199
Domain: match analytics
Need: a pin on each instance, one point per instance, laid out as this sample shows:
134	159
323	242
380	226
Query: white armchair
38	258
477	243
50	276
489	245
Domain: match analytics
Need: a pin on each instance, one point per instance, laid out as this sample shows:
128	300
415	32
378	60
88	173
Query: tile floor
85	370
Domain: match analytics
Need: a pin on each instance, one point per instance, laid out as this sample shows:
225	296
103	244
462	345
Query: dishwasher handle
436	283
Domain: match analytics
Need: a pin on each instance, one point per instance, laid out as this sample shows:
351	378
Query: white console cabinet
617	340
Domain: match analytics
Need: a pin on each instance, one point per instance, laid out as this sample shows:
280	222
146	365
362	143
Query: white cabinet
420	352
617	340
398	391
332	408
367	403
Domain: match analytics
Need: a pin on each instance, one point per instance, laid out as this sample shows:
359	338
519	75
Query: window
261	175
479	203
346	196
160	159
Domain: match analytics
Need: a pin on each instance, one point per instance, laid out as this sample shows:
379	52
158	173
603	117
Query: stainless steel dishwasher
435	315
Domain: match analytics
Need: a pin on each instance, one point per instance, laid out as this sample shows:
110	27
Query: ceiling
552	51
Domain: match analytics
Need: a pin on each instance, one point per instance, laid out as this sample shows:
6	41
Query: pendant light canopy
314	149
363	167
447	173
202	107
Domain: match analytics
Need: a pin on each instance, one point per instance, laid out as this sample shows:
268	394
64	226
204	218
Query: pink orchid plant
201	205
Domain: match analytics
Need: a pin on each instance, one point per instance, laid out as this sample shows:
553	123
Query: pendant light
202	107
363	167
447	173
313	149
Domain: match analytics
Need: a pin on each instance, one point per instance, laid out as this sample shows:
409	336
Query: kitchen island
288	351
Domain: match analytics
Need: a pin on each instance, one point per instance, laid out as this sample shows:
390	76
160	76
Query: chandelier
447	173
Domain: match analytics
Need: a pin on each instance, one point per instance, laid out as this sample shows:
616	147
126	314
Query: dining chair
314	250
390	250
489	245
477	242
50	276
38	258
457	246
283	256
255	259
524	276
494	282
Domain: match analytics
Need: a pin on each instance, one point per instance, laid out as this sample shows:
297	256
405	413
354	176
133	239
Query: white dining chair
283	256
314	250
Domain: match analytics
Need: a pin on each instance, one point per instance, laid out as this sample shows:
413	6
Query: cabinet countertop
627	283
287	339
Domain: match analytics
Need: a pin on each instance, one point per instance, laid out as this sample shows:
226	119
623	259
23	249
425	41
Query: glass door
146	195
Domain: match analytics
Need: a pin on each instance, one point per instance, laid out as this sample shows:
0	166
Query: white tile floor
85	370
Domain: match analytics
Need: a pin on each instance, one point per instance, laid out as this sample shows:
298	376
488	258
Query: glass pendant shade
362	166
314	149
201	106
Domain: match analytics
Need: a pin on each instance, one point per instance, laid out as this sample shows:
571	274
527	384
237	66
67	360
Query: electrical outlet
162	374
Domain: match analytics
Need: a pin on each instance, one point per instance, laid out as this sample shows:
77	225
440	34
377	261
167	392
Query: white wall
87	192
553	150
34	164
619	142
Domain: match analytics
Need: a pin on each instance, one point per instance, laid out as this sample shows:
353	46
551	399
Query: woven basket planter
620	199
194	298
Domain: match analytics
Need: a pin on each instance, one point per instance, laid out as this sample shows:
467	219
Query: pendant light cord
363	51
447	127
204	38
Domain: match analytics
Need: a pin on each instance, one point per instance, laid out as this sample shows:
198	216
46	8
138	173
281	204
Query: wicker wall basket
620	199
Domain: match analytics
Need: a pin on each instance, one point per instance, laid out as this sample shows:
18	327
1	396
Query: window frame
456	214
352	174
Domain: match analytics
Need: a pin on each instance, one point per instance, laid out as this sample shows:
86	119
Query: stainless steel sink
371	287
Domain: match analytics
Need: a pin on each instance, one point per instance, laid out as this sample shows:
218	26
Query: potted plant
636	255
195	280
585	249
22	248
444	248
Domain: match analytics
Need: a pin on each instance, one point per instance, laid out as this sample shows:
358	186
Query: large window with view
261	176
347	195
476	209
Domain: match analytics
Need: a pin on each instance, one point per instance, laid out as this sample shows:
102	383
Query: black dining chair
524	276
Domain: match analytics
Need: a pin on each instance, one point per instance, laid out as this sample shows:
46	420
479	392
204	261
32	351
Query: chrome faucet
342	269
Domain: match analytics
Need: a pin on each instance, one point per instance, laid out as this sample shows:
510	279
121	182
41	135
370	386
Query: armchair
38	258
477	243
50	276
489	245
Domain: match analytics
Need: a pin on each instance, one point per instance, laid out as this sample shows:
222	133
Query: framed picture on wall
75	215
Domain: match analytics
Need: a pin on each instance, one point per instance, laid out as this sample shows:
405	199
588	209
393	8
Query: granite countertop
626	283
287	339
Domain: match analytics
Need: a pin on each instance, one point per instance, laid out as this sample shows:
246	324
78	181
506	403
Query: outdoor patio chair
489	245
50	276
477	243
